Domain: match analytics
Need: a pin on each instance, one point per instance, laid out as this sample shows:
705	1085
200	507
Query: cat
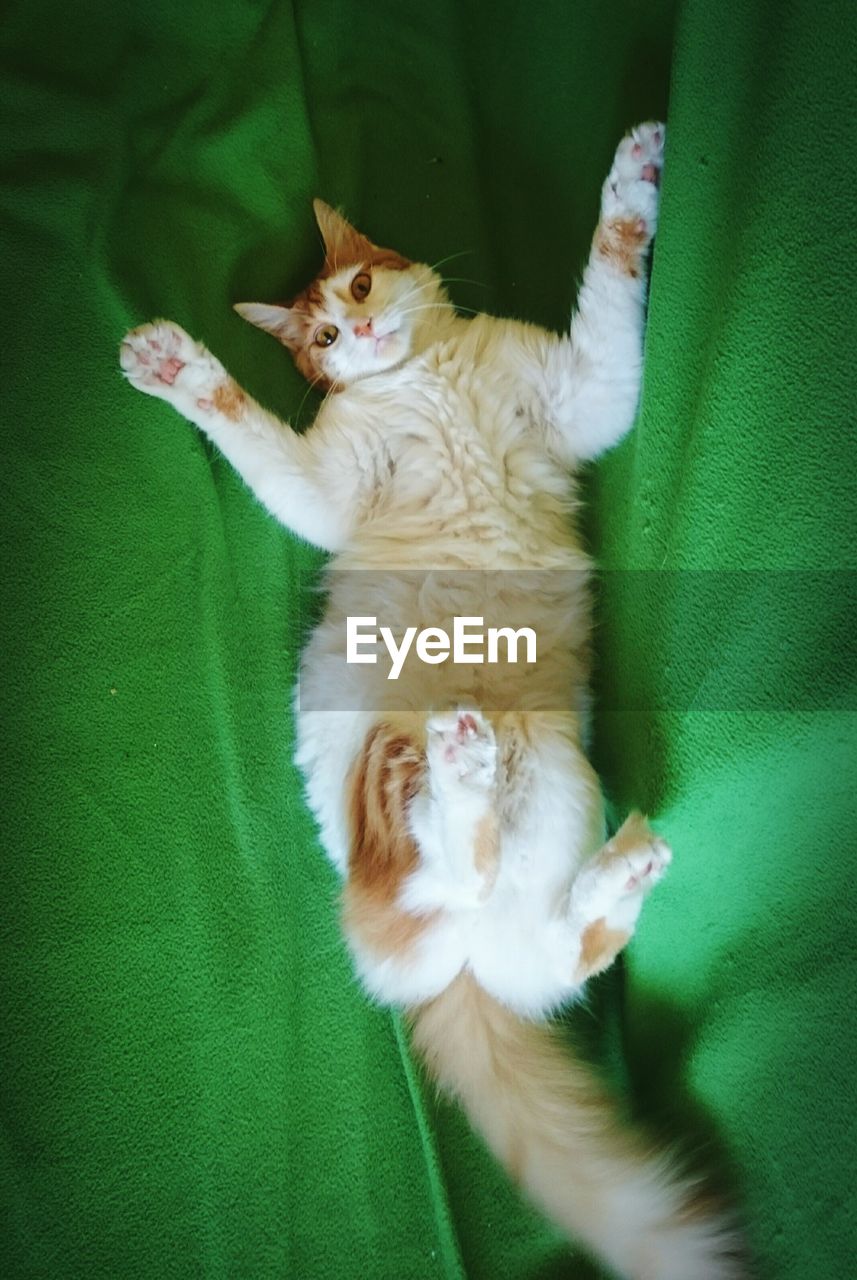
457	802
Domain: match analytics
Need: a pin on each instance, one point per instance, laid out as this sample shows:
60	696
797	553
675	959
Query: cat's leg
454	816
607	895
280	467
596	370
403	954
535	950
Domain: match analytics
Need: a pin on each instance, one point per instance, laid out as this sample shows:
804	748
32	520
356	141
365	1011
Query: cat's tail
558	1133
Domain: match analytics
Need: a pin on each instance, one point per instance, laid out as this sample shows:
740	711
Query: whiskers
430	306
480	284
312	386
328	393
434	266
415	289
420	287
450	257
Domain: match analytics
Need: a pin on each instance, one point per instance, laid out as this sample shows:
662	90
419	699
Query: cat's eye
326	335
361	286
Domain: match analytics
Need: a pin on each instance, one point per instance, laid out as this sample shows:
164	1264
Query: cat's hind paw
615	881
461	749
153	356
635	859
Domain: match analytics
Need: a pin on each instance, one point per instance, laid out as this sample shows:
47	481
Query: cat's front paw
461	749
631	193
153	356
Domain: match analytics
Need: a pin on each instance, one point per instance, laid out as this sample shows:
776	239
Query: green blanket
192	1084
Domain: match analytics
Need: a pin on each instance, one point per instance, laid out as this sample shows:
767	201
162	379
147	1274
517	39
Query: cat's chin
390	351
389	343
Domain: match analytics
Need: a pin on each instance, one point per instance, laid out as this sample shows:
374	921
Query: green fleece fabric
193	1084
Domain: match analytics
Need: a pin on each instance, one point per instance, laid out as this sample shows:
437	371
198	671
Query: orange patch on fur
599	947
229	400
622	242
634	833
386	777
345	246
382	927
305	364
486	850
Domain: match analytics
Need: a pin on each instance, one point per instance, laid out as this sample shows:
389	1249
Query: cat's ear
280	321
344	245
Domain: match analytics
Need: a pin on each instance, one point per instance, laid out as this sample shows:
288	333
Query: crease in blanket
444	1220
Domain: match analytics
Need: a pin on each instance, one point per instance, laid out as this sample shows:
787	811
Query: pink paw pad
464	740
633	881
465	731
170	369
467	727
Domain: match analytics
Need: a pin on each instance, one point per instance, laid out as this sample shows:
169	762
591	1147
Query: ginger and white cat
457	802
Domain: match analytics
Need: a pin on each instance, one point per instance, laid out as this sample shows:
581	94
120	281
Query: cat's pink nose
364	328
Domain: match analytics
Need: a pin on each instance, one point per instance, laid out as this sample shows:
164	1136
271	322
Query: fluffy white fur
450	444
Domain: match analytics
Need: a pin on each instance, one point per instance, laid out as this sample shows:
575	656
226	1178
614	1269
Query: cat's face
368	310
